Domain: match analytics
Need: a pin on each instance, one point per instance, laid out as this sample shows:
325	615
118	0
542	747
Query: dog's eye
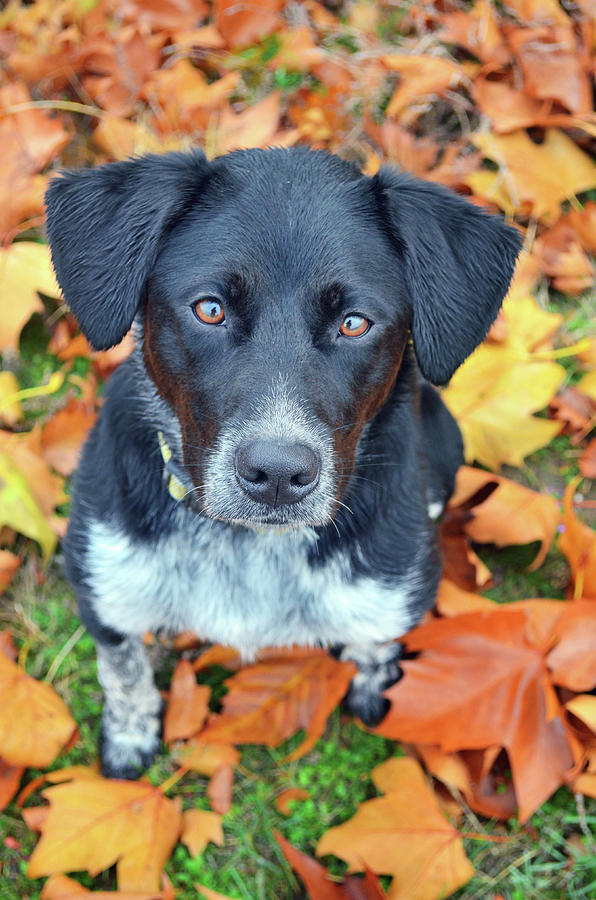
354	325
210	311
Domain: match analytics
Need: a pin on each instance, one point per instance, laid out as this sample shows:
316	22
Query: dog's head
276	291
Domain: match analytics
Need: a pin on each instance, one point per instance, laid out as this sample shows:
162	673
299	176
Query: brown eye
354	325
210	311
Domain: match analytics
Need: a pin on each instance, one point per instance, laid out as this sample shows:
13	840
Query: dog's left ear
458	264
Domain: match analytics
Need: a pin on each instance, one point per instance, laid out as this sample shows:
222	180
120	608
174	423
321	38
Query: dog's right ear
105	227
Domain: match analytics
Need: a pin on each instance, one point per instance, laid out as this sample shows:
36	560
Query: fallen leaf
9	563
533	177
188	704
577	411
244	23
584	707
10	779
268	702
207	894
206	757
60	887
422	77
493	396
479	682
587	461
19	509
34	722
578	543
95	823
431	862
25	269
219	789
254	127
572	661
25	450
511	514
200	826
63	435
318	881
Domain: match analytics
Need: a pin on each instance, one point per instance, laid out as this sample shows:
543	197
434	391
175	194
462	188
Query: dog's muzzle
277	473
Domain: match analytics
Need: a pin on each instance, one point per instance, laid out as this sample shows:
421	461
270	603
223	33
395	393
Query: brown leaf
575	409
587	461
431	862
162	15
10	779
26	451
563	259
34	722
511	515
478	683
30	140
63	435
533	178
200	826
219	789
270	701
244	23
578	543
206	757
207	894
572	661
95	823
422	77
60	887
318	881
188	704
9	563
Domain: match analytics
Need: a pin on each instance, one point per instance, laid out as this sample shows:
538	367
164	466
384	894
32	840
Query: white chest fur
240	587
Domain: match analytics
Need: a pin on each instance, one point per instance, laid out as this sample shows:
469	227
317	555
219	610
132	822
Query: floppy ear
458	264
105	226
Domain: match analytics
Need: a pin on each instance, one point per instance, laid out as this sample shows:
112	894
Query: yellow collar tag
175	487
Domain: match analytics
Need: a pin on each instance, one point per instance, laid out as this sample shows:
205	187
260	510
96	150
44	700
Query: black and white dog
269	462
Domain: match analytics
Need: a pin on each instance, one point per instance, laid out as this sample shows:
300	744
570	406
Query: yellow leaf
34	722
493	395
587	384
199	826
403	834
95	823
538	176
19	509
25	268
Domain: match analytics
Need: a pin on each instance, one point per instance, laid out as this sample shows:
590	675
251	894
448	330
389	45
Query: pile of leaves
496	708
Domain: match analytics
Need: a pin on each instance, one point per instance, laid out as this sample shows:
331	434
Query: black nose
276	473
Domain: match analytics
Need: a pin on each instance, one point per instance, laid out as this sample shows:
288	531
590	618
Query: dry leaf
578	543
10	779
63	435
95	823
480	683
200	826
431	862
512	514
187	704
268	702
9	563
60	887
533	177
34	722
290	795
25	268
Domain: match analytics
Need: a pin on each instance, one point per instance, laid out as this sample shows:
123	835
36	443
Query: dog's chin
287	518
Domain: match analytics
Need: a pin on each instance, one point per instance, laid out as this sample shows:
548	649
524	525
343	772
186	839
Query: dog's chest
239	587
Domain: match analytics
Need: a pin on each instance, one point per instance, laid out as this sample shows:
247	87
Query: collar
175	486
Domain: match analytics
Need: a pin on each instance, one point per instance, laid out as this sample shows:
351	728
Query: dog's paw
126	752
378	669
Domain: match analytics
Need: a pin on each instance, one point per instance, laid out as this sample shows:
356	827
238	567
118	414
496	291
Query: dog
270	461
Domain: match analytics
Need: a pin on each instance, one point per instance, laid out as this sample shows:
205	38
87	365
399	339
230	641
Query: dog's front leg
131	720
378	669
